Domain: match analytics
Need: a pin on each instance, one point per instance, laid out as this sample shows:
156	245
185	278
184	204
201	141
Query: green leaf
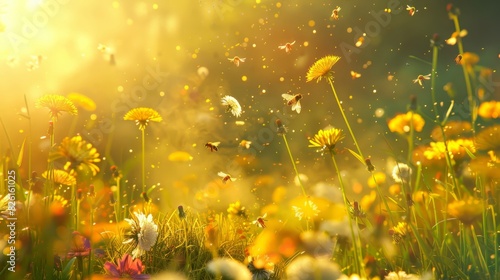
471	155
21	154
68	269
356	155
448	113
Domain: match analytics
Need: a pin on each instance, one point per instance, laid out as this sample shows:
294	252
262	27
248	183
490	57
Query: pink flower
127	268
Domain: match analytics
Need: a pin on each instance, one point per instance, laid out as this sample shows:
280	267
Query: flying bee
335	13
411	10
236	60
355	75
458	59
294	101
260	221
213	146
226	177
245	144
287	47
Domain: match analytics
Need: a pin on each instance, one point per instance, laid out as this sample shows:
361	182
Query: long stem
435	50
143	162
355	238
344	116
482	260
294	166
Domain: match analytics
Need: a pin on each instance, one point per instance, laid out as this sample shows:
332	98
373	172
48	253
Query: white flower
309	268
401	173
143	233
401	275
232	105
229	269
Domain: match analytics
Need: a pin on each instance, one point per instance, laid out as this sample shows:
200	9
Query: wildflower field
249	158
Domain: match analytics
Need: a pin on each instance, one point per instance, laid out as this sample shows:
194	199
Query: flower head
401	173
326	139
422	78
232	105
229	269
57	104
236	210
61	177
79	154
321	68
82	101
80	246
467	210
399	232
402	123
127	267
487	139
489	110
143	233
401	275
142	116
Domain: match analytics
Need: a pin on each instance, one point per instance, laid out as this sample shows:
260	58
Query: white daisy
232	105
143	233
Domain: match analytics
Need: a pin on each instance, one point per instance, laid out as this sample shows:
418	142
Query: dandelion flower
236	210
232	105
79	154
229	269
309	268
142	116
127	267
61	177
487	139
467	210
326	139
321	68
489	110
83	101
308	210
401	123
143	233
57	104
399	232
422	78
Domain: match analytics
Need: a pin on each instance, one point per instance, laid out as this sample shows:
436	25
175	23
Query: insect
287	47
335	13
411	10
245	144
260	221
421	78
294	101
458	59
236	60
213	146
355	75
226	177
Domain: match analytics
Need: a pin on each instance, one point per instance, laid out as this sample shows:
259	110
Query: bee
355	75
411	10
458	59
287	47
294	101
226	177
422	78
260	221
213	146
245	144
335	13
236	60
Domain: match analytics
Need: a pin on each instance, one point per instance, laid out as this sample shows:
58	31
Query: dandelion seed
321	68
401	173
236	60
335	13
143	233
142	116
57	104
422	78
294	101
79	154
307	267
225	177
287	47
232	105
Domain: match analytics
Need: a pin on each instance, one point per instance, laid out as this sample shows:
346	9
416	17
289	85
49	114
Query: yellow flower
83	101
401	123
466	210
61	177
487	139
78	153
321	68
142	116
236	210
399	232
452	129
489	110
326	139
377	179
456	149
57	104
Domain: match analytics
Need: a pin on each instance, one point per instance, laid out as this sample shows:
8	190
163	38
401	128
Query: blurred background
172	56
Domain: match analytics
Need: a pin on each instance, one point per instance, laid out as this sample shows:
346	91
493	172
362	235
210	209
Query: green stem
143	161
294	166
435	50
358	263
344	116
482	260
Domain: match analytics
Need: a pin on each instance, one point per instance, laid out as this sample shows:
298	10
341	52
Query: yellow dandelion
452	129
79	154
466	210
401	123
236	210
61	177
399	232
321	68
326	139
489	110
57	104
82	101
377	179
142	116
487	139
